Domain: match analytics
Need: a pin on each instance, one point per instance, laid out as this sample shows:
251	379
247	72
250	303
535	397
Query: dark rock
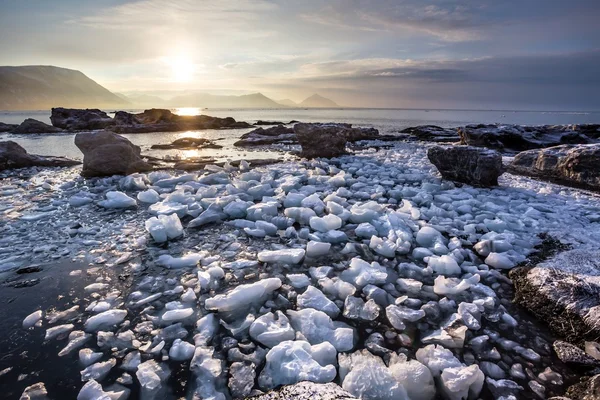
14	156
25	283
261	136
307	391
329	140
188	143
586	390
7	127
515	138
261	122
478	167
573	165
74	119
28	270
106	153
431	133
31	125
571	354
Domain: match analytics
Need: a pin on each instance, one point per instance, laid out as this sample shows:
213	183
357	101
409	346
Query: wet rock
74	119
587	390
7	127
106	153
261	136
467	164
321	140
431	133
571	354
307	391
188	143
28	270
13	155
31	125
520	138
572	165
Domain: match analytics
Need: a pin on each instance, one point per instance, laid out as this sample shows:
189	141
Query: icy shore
365	270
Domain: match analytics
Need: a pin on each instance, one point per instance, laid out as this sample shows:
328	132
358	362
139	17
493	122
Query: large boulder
573	165
329	140
13	155
31	125
430	133
74	119
307	391
106	153
262	136
515	138
466	164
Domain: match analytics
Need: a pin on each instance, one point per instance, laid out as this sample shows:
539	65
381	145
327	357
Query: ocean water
388	121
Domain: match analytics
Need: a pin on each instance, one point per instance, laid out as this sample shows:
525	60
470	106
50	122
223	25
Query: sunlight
188	111
182	69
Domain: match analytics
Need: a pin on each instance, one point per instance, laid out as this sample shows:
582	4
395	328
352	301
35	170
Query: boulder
189	144
307	391
7	127
515	138
261	136
31	125
74	119
329	140
431	133
106	153
13	155
572	165
466	164
564	291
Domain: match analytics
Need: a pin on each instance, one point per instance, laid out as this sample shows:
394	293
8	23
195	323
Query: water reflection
187	111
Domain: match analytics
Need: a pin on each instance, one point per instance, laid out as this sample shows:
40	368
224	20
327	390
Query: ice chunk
212	214
462	382
437	359
453	286
243	297
284	256
365	230
317	327
177	314
295	361
271	329
301	215
164	227
499	260
181	351
298	280
117	200
105	319
55	331
149	196
314	298
186	261
151	376
92	390
361	273
98	371
32	319
428	237
444	265
327	223
397	315
356	308
414	377
366	376
317	249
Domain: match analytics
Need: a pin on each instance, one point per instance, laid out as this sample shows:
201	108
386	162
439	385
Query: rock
307	391
572	165
571	354
261	136
587	390
7	127
565	292
31	125
188	143
13	156
431	133
261	122
329	140
519	138
106	153
467	164
74	119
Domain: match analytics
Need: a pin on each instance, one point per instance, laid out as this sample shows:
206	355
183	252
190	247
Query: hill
255	100
287	103
317	101
35	87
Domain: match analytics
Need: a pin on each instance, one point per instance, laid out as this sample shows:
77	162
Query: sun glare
182	69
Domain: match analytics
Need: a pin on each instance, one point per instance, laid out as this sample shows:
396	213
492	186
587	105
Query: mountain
317	101
255	100
36	87
139	100
287	103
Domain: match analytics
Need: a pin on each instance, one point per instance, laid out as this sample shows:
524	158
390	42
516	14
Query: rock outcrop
188	143
307	391
12	155
31	125
7	127
329	140
515	138
573	165
106	153
466	164
74	119
430	133
261	136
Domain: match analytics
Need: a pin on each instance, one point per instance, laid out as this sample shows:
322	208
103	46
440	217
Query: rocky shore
384	273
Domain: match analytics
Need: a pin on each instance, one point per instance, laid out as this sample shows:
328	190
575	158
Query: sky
452	54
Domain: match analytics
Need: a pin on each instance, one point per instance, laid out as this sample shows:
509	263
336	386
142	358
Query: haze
514	54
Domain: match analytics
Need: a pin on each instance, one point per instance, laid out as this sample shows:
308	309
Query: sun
182	69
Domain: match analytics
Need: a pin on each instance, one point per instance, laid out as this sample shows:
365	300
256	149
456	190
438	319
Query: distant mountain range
38	87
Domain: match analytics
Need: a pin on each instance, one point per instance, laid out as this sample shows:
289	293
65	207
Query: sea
388	121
